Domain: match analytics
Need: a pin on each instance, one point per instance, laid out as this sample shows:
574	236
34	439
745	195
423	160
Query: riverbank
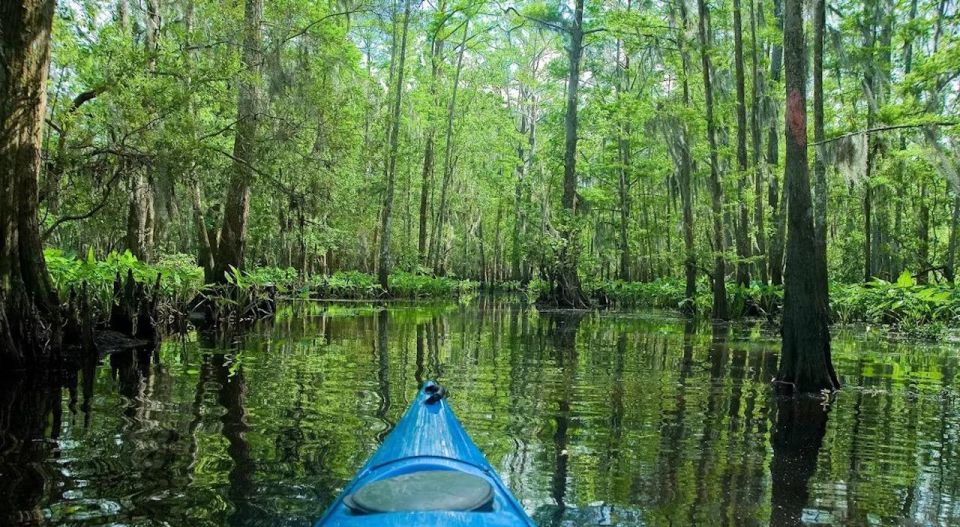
924	310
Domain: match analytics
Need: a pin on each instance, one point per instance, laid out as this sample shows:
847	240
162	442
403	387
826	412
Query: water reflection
797	438
592	419
30	413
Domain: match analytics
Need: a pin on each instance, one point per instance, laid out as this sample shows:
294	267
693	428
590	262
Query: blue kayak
428	472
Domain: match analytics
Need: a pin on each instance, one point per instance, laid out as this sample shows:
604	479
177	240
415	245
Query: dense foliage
561	146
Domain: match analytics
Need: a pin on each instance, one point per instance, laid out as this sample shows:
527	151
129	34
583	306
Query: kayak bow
427	472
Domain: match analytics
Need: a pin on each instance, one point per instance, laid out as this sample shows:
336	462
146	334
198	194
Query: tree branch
884	129
551	25
313	24
108	189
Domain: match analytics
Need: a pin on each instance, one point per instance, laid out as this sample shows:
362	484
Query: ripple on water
597	419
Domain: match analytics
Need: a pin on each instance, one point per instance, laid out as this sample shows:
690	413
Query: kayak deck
427	441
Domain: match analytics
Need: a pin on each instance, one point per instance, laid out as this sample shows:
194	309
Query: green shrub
905	305
357	285
180	277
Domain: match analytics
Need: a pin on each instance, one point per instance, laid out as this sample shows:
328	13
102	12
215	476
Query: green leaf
905	280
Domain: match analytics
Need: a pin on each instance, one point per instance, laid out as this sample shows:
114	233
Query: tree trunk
805	361
743	223
425	183
757	97
819	165
923	233
719	268
870	93
495	274
923	227
205	243
29	311
206	238
518	223
949	267
482	262
623	151
141	214
528	125
774	192
436	47
383	271
868	224
233	235
565	281
447	161
140	217
685	171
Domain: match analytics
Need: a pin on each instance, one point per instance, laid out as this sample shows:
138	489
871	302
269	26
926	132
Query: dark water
592	419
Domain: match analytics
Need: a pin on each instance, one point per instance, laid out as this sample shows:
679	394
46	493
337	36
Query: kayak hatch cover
427	472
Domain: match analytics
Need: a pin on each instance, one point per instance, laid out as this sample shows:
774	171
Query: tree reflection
797	438
30	412
380	349
673	427
563	329
231	396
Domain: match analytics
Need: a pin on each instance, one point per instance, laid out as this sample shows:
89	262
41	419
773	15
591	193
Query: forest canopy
139	152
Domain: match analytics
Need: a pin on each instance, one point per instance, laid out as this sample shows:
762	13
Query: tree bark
436	47
528	125
743	223
383	271
233	235
805	360
566	280
686	169
949	268
819	165
29	310
758	170
719	267
447	154
871	92
623	151
775	194
518	223
141	214
206	238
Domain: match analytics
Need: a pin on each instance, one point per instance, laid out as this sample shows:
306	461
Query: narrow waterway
630	418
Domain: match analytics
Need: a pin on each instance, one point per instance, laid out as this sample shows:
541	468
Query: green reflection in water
591	418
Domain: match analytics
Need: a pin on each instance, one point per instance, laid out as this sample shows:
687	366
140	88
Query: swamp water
591	418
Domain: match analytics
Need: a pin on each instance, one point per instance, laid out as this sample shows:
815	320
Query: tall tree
869	38
29	310
819	165
743	222
566	280
681	152
623	164
383	273
774	190
716	190
436	52
562	269
236	208
805	360
141	215
448	160
755	111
